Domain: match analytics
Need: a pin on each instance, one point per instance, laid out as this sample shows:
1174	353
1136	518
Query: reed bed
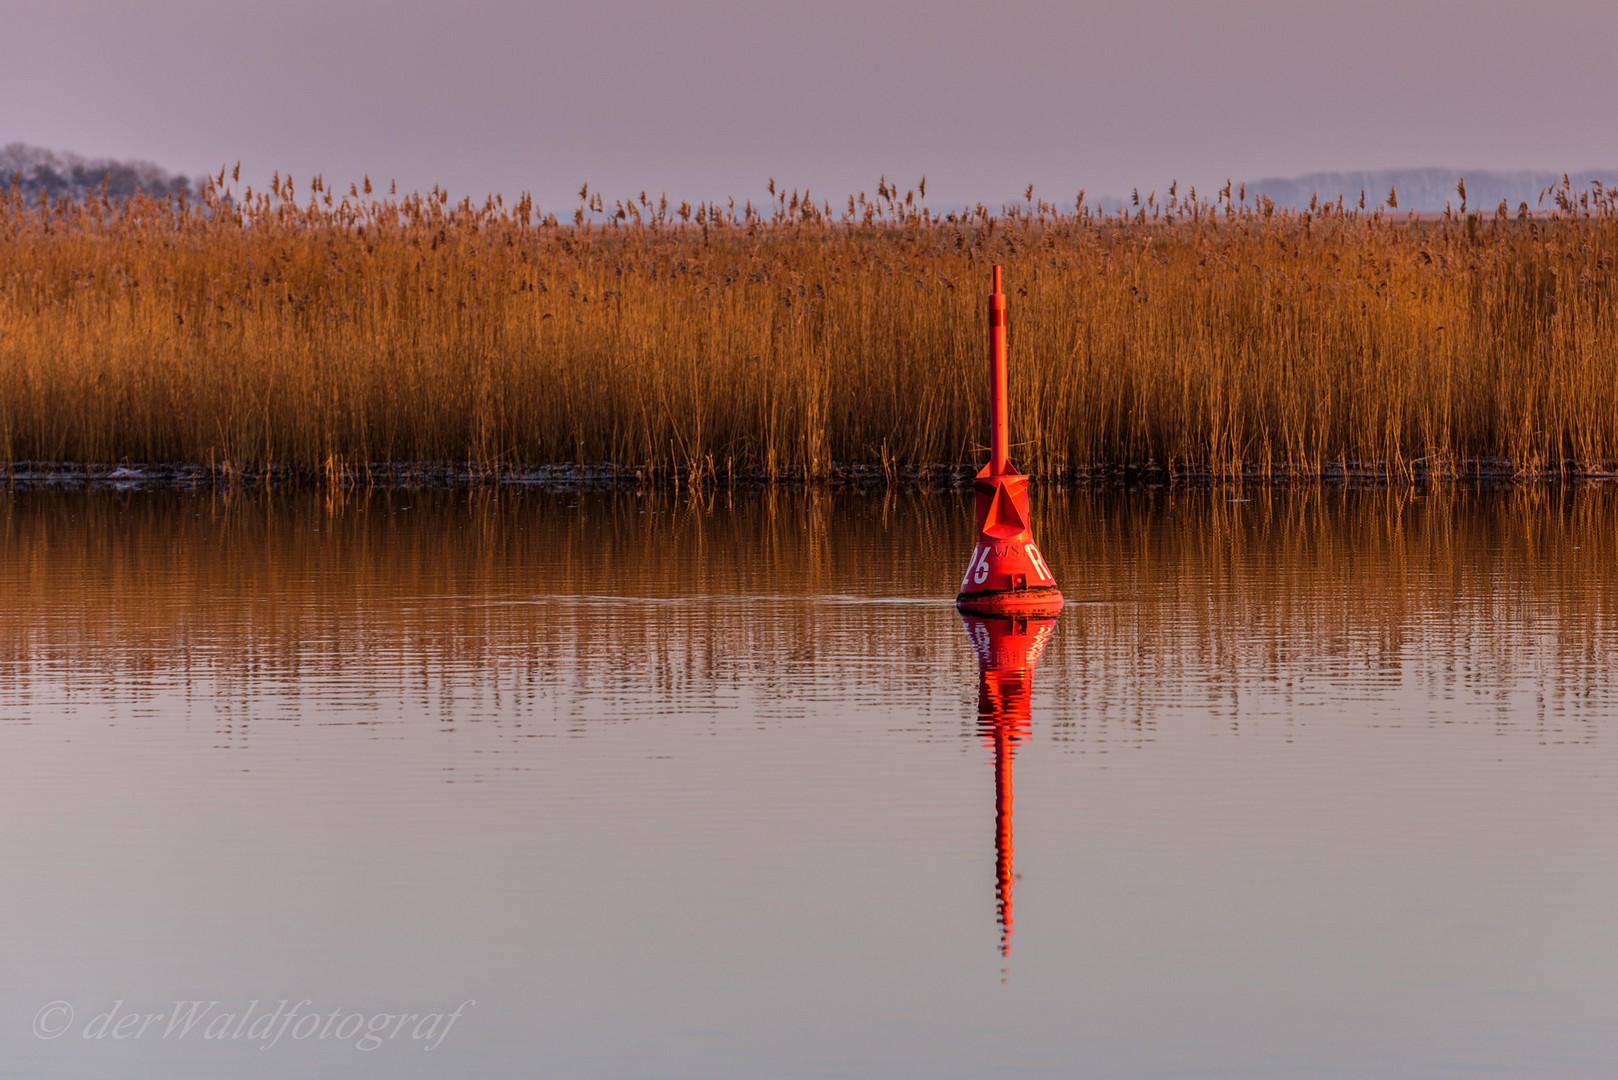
256	330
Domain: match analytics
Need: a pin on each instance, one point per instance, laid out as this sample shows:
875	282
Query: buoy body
1007	574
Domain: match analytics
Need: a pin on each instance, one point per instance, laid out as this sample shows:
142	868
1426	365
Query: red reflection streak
1007	650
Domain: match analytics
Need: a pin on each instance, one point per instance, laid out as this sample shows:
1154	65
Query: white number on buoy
971	568
982	572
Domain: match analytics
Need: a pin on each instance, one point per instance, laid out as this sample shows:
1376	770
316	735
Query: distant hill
1428	189
35	169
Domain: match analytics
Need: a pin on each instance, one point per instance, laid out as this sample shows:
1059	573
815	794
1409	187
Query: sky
713	98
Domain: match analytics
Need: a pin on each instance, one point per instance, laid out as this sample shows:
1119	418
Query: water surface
1304	784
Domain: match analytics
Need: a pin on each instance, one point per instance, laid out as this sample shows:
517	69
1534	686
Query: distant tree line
33	170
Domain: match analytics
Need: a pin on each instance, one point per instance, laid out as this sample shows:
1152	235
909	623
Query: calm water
1309	785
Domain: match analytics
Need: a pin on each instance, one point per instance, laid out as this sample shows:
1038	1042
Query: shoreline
65	476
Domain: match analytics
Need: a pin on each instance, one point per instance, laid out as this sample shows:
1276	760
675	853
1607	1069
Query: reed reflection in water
1311	782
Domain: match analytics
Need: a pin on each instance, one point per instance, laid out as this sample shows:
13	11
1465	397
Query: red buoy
1007	574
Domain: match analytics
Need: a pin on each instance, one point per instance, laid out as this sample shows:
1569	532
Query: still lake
1307	784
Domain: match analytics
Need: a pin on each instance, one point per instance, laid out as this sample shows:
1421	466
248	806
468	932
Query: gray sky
709	98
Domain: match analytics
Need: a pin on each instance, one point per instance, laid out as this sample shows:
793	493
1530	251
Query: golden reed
1212	335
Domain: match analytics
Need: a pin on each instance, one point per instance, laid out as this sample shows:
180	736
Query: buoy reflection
1007	651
